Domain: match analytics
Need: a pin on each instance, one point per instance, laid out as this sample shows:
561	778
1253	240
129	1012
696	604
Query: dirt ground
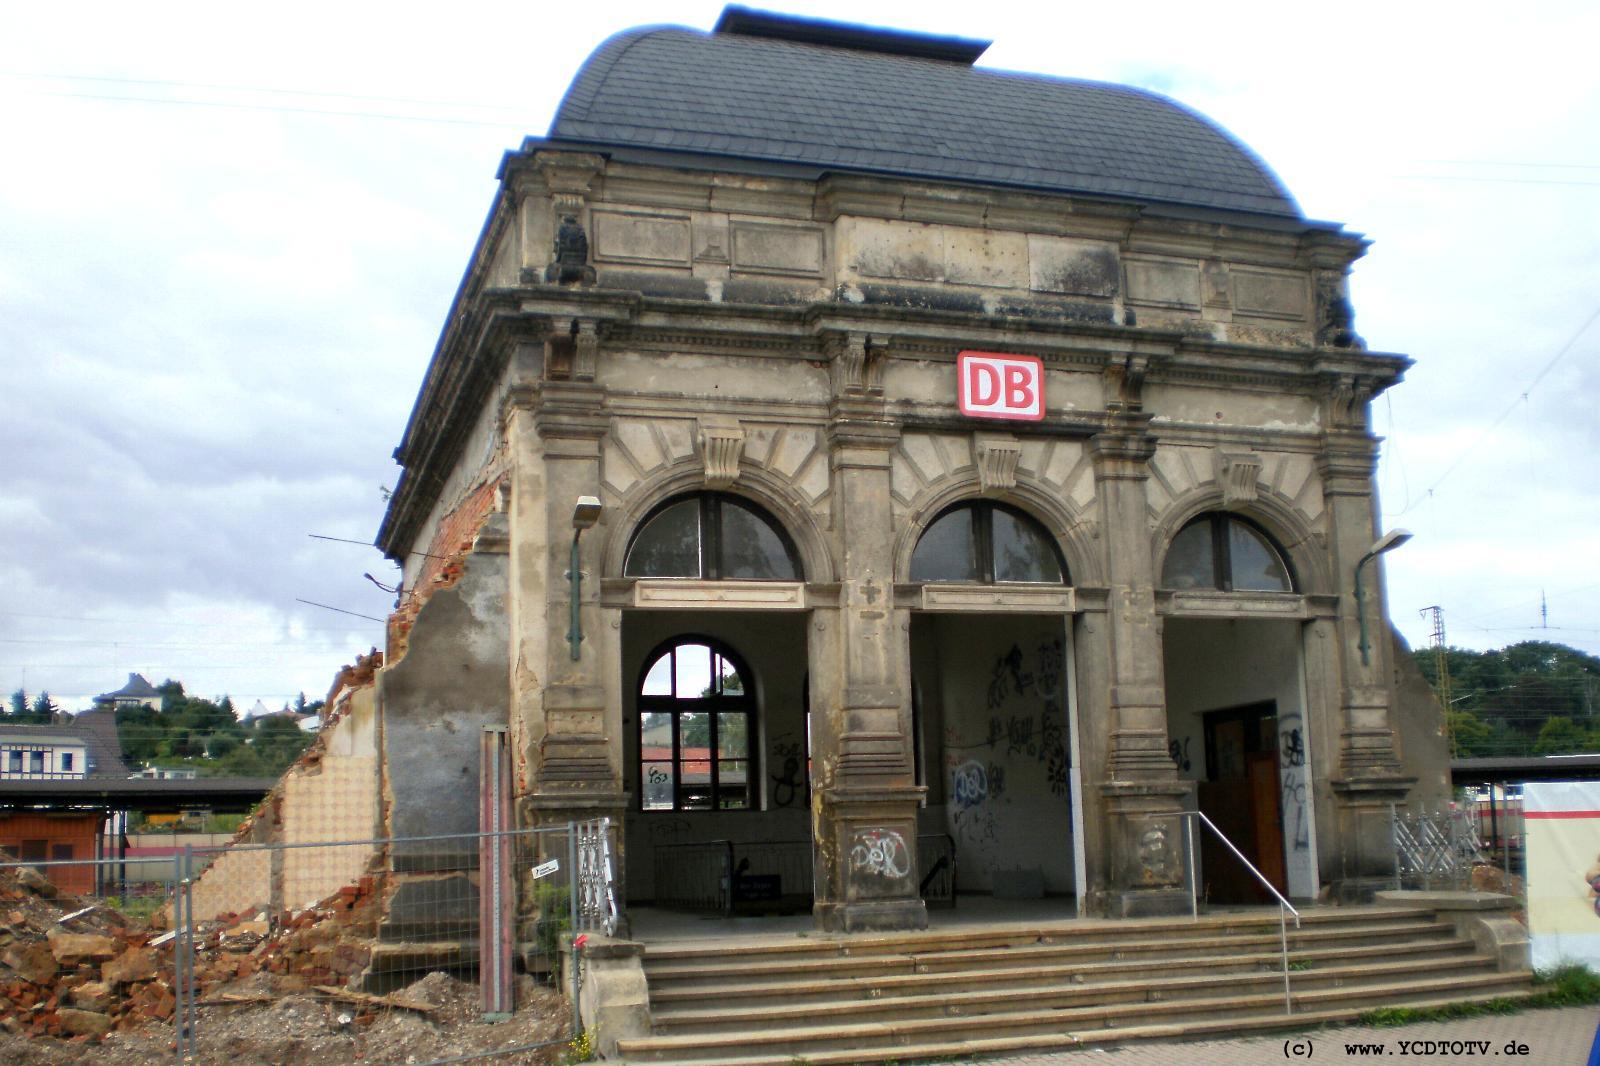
81	982
275	1030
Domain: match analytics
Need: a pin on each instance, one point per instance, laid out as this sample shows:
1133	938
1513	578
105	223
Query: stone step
1104	1039
723	970
889	987
911	1038
935	1000
1075	930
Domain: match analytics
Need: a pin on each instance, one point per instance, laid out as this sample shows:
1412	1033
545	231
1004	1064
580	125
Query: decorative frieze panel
1272	294
1164	283
1241	478
1073	268
1018	599
764	248
654	240
1204	603
922	459
669	593
727	448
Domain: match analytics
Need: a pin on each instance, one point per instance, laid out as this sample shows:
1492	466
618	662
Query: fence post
574	887
178	937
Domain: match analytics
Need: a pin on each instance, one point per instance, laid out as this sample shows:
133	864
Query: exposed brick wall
442	565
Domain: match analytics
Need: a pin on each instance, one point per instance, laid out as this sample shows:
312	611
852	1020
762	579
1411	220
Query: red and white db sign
992	385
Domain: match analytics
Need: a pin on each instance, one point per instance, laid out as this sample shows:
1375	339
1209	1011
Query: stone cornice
485	322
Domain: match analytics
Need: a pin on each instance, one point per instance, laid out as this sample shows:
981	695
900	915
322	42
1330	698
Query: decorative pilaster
1370	775
1142	792
864	806
566	767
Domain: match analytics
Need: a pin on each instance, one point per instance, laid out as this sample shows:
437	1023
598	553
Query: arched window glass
1225	552
983	543
695	726
711	535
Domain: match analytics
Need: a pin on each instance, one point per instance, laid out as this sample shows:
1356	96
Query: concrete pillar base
874	916
1149	902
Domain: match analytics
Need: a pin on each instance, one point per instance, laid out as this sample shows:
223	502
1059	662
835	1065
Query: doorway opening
992	698
1236	728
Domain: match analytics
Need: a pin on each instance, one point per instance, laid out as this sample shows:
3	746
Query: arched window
711	535
1225	552
983	542
696	719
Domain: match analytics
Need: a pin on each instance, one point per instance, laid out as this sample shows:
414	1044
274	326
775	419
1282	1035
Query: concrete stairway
994	989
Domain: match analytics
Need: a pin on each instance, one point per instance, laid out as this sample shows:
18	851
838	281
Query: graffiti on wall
788	786
1178	752
880	853
969	785
1292	779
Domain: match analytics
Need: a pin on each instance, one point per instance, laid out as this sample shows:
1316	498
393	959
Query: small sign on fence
545	869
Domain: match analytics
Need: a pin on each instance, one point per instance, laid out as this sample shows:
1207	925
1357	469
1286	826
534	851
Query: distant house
85	746
167	773
137	692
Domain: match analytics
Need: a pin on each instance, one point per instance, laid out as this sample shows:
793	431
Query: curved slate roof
863	109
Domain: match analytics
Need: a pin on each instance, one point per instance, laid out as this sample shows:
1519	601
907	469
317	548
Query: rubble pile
76	976
76	970
327	943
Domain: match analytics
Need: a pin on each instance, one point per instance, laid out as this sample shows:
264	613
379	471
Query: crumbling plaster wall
437	700
461	502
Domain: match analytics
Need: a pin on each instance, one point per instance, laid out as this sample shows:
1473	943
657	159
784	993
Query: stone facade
638	331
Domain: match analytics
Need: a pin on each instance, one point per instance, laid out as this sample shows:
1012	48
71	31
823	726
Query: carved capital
997	455
585	349
1124	449
857	360
721	443
1125	383
1347	398
1236	474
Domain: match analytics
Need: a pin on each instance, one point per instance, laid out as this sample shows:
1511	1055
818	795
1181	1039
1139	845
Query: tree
19	703
45	708
1559	736
1515	693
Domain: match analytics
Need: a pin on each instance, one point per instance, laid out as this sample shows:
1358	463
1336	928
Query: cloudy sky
229	235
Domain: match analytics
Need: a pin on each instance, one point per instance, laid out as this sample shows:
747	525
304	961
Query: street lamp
1388	542
585	513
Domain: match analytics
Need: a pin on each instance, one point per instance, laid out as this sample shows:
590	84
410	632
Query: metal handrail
1285	908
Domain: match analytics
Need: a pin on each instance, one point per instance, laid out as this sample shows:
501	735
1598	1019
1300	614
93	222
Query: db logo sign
1000	386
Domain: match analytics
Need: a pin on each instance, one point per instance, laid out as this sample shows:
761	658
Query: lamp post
585	513
1388	542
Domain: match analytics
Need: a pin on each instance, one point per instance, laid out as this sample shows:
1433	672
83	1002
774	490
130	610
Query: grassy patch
1573	985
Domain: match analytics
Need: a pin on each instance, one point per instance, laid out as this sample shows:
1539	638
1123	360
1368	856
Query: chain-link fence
392	950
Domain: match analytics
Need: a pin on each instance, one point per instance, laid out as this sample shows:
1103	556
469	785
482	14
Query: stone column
1369	776
1142	792
864	806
